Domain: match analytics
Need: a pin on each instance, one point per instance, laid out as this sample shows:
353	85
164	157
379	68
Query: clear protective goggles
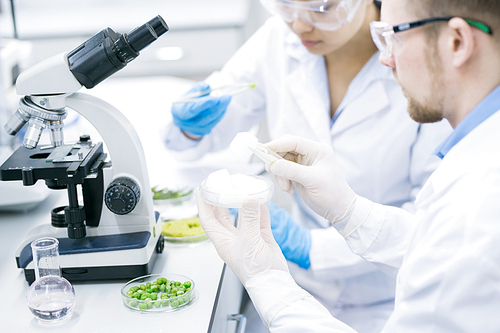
328	15
384	35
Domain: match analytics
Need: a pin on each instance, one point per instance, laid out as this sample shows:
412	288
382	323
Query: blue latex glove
200	116
293	239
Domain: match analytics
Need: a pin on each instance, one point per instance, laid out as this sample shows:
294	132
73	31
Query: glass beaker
51	298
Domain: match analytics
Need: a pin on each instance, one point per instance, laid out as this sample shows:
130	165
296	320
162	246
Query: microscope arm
124	147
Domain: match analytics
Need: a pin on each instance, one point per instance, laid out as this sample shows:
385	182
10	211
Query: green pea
149	303
155	288
174	290
187	284
143	287
157	304
174	303
154	297
148	284
145	296
181	301
136	295
134	289
143	306
164	296
188	289
178	283
133	303
164	302
162	287
149	290
186	298
180	292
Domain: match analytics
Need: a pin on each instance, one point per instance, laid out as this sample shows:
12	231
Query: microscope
115	233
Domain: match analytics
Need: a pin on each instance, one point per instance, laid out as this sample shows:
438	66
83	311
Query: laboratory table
99	308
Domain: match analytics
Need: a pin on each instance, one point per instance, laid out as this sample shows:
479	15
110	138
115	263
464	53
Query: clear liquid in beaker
51	299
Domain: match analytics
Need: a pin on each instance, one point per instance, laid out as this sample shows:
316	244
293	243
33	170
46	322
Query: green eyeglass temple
480	26
406	26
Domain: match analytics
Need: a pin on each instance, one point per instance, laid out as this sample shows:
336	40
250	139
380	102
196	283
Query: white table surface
99	308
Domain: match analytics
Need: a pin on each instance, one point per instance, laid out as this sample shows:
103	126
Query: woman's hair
378	3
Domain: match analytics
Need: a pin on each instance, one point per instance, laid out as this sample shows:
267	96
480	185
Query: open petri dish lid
243	187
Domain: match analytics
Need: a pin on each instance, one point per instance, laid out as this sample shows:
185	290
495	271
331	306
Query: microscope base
110	257
84	274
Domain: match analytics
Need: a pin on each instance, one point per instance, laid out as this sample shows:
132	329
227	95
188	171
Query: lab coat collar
373	100
308	70
487	107
308	86
466	158
367	86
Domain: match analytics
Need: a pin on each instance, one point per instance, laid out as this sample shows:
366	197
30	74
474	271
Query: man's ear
461	42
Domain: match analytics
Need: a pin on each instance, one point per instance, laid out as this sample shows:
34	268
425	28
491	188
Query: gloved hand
293	239
249	249
200	116
316	176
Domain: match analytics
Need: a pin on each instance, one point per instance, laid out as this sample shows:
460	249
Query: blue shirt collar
488	106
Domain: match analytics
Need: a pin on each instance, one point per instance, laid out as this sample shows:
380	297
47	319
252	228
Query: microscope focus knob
122	195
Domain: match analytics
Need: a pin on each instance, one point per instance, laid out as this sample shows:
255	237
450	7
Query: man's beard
424	113
430	111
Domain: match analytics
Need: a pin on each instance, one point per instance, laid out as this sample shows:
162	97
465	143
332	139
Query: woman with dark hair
319	77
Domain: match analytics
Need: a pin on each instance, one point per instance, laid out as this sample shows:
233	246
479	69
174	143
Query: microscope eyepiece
141	37
147	33
158	25
107	52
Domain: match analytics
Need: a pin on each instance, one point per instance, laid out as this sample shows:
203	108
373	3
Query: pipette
242	87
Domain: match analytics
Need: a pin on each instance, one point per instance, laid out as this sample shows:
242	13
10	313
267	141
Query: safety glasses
328	15
385	38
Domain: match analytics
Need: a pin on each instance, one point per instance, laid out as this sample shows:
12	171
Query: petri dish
228	199
172	231
187	239
176	208
170	304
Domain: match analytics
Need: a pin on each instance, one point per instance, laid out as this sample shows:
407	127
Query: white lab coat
447	254
385	155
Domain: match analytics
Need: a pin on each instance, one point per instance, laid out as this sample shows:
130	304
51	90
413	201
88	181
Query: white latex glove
249	249
316	176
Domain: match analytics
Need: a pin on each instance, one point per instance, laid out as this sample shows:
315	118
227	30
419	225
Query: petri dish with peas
158	293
